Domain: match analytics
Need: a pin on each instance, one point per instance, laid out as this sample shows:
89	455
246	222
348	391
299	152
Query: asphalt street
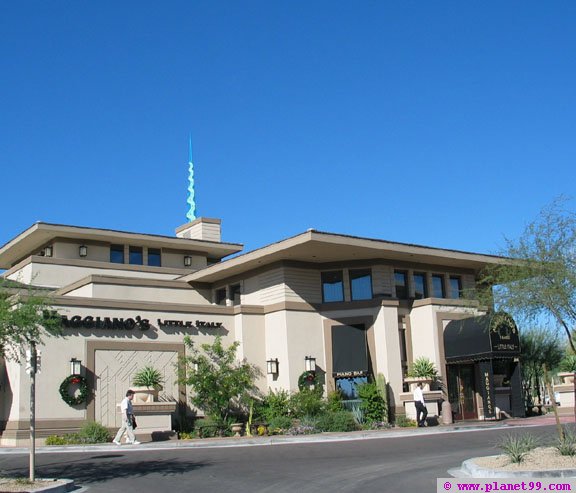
389	464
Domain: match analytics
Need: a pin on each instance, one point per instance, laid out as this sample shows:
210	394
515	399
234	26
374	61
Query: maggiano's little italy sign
139	323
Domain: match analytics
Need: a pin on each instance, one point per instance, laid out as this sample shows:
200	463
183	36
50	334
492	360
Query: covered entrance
482	360
462	391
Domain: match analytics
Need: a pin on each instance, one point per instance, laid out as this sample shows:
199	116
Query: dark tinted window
136	256
438	286
420	285
154	257
117	254
401	283
235	294
361	284
455	287
332	286
220	298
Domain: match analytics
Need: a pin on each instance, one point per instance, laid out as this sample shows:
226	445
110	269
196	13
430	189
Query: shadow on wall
5	396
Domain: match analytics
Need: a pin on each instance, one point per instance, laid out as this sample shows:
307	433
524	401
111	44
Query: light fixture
83	250
48	251
272	366
187	260
310	363
75	366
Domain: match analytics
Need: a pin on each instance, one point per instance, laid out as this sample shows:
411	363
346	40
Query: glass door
462	391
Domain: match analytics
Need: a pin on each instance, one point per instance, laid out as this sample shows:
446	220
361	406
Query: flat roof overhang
321	247
40	233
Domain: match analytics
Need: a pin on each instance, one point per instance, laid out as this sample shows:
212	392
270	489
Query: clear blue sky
441	123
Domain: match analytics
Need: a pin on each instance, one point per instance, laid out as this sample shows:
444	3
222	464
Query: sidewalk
291	439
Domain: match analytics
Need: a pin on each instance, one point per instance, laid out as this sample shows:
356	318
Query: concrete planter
414	381
567	377
237	429
145	395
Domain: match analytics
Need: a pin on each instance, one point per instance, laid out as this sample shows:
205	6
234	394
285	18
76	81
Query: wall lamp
272	366
75	366
187	260
83	250
48	251
310	363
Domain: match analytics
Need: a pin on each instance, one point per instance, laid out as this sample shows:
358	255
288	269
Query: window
401	283
117	254
361	284
220	296
136	256
455	287
420	285
154	257
438	286
332	286
235	294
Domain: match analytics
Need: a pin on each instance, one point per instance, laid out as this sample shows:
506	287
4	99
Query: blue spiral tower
191	214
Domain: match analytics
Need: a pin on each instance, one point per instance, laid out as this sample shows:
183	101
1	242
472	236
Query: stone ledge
469	468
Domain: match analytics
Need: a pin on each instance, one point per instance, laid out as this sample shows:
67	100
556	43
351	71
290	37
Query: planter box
567	377
144	395
413	382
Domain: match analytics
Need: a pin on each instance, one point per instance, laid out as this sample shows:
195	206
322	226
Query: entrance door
462	391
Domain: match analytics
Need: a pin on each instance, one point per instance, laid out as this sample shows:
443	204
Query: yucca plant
423	368
517	446
567	444
148	377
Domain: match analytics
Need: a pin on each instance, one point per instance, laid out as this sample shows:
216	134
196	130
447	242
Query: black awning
349	350
486	337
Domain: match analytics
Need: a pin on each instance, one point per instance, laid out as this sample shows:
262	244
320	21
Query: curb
63	486
470	469
255	441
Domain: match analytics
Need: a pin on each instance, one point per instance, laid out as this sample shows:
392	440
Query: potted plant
147	383
422	370
567	368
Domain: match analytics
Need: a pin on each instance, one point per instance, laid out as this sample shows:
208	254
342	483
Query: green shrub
148	377
567	446
404	422
517	446
211	427
358	414
273	405
307	403
334	401
336	421
422	368
93	432
372	404
56	440
568	363
90	433
279	425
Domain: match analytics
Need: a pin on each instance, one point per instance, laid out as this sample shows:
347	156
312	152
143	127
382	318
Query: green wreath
72	399
309	379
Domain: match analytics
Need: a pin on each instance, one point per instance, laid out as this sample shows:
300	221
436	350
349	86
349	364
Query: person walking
420	404
127	421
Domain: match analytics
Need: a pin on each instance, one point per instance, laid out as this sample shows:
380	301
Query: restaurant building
347	307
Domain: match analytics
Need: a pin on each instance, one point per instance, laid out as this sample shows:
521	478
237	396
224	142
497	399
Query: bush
423	368
273	405
517	446
372	404
90	433
307	403
279	425
404	422
336	421
334	401
214	427
94	433
567	446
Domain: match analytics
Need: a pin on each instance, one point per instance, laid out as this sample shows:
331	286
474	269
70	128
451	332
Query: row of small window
361	285
135	255
421	286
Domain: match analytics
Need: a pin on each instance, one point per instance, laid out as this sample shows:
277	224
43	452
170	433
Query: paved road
405	464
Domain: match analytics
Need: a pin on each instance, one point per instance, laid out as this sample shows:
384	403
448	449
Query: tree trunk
553	401
33	361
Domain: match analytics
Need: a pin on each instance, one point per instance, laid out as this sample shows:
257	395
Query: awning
489	336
